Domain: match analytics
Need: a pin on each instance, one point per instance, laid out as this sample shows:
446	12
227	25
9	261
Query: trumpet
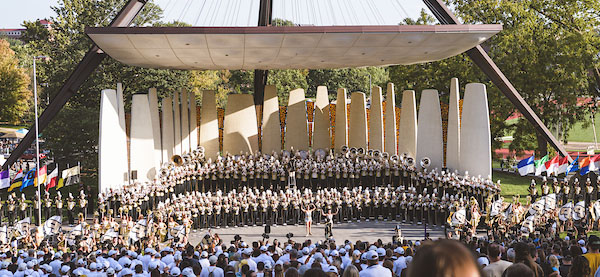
425	162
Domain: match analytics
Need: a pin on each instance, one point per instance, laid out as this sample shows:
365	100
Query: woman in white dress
308	218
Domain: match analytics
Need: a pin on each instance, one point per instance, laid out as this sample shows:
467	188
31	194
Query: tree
70	140
14	86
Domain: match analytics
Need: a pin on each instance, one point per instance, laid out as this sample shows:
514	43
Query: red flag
552	166
52	179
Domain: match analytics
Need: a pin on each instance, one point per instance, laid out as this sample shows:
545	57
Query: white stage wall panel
453	135
112	144
475	137
240	132
296	127
357	135
168	143
209	125
142	139
376	120
341	120
390	145
271	127
429	134
321	133
407	141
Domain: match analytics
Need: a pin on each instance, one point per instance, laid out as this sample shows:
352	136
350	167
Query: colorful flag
17	181
574	166
526	166
595	163
71	176
28	179
540	165
562	165
61	183
552	166
584	166
4	179
42	176
52	179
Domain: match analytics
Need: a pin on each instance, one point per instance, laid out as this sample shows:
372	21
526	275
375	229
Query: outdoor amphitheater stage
352	231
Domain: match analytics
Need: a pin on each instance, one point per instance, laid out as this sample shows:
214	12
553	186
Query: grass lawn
578	133
16	127
512	184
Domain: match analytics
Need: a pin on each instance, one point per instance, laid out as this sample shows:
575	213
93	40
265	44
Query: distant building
18	33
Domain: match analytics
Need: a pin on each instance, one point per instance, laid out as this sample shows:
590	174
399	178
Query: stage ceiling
287	47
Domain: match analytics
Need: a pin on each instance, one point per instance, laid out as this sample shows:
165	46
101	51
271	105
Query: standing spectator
522	255
580	268
565	266
497	266
593	254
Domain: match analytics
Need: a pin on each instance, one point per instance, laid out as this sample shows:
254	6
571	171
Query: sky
245	12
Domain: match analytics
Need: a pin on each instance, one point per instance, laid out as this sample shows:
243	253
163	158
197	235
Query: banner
496	208
109	235
71	176
550	201
28	179
527	226
579	210
23	226
4	234
537	207
459	218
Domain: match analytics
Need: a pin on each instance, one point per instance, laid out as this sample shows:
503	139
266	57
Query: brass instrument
345	149
361	151
376	153
395	158
370	152
425	162
177	160
385	155
409	161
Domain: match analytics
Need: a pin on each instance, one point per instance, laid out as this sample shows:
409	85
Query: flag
566	212
540	165
584	166
552	166
17	181
138	231
562	165
42	176
61	183
52	225
595	163
28	179
574	166
4	179
71	176
526	166
52	179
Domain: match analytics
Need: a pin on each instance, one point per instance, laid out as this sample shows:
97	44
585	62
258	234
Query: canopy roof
287	47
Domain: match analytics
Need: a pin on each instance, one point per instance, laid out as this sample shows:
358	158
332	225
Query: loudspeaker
134	175
267	229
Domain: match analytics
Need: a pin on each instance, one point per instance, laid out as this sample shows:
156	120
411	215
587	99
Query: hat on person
153	265
212	260
126	271
263	248
581	242
112	252
110	272
64	269
305	250
381	252
93	266
288	248
318	257
372	247
332	268
204	254
567	238
356	253
248	251
483	261
372	255
334	253
4	265
22	267
175	271
342	251
188	272
268	265
399	250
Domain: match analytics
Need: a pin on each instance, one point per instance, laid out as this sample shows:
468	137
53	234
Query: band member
71	209
83	202
59	204
11	209
329	222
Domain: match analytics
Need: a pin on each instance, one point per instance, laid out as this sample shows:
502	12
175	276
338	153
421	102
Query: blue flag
526	166
574	166
28	180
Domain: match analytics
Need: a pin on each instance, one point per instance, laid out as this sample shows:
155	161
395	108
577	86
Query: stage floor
365	231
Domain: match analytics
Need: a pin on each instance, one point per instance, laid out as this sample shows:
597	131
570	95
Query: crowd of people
143	229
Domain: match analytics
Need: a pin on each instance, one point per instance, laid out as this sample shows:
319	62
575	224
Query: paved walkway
369	231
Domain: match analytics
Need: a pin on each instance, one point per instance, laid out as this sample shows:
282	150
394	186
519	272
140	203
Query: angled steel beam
487	65
265	17
84	69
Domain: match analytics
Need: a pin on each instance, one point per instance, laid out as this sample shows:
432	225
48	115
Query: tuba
425	162
177	160
409	161
376	153
345	149
361	151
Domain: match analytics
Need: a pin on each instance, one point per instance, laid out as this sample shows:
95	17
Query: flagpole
37	140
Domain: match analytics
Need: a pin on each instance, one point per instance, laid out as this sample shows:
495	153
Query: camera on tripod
289	235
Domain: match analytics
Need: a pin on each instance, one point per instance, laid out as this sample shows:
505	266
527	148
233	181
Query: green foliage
72	136
14	86
353	79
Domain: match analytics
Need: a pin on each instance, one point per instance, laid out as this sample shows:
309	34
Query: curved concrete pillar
429	134
193	121
167	129
341	120
407	142
112	144
142	139
240	132
209	125
155	118
271	127
176	124
185	122
358	121
321	133
296	126
390	145
475	142
376	120
453	135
